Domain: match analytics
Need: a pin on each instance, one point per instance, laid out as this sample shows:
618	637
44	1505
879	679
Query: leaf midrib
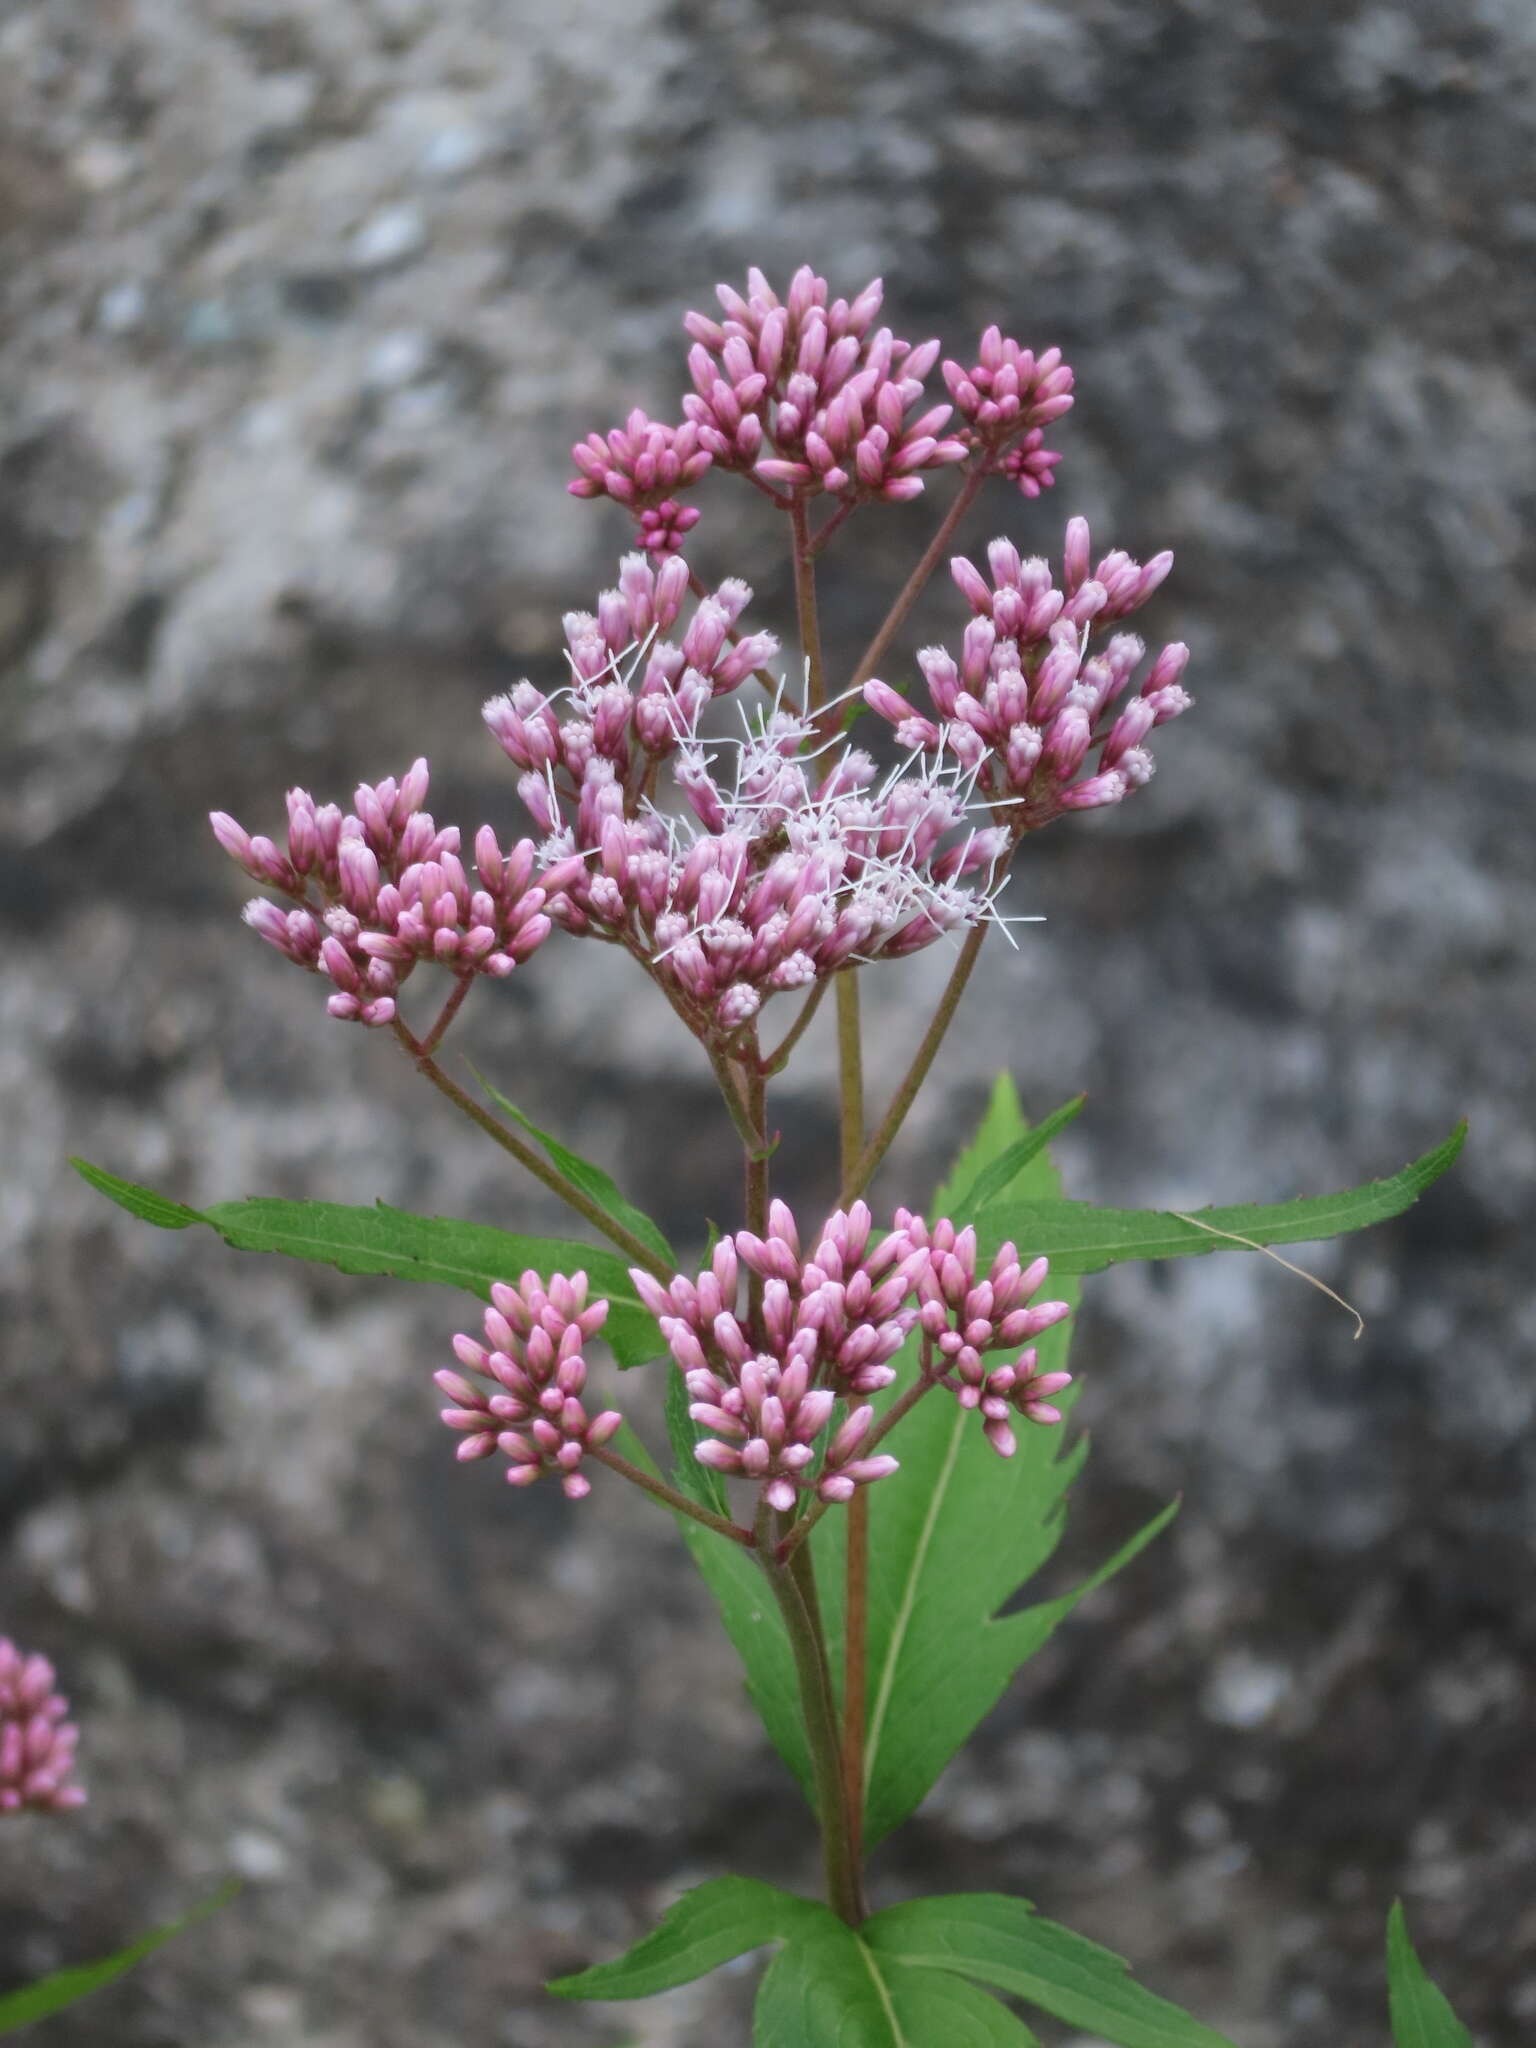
898	2038
908	1602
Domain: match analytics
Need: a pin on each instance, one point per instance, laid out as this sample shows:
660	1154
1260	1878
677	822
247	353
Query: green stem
850	1063
805	605
669	1496
869	1159
541	1169
778	1060
845	1890
913	588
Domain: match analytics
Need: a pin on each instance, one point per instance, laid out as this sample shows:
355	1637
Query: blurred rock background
300	309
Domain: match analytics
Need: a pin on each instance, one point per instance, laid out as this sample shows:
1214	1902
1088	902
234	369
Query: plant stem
805	605
778	1060
855	1661
541	1169
669	1496
850	1064
850	1071
845	1891
869	1159
755	1201
912	589
447	1013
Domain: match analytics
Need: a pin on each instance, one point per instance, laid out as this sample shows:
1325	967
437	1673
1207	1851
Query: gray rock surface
300	308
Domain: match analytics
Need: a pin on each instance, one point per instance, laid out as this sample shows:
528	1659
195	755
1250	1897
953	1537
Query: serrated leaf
1001	1942
64	1987
1077	1237
756	1629
996	1179
403	1246
952	1537
1421	2013
708	1926
828	1989
591	1178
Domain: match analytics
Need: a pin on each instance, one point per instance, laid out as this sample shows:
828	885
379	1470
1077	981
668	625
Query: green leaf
1001	1175
999	1941
707	1927
403	1246
590	1178
1421	2014
756	1629
952	1538
64	1987
1079	1238
829	1989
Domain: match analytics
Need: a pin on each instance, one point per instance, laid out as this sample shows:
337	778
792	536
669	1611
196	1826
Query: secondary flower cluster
807	393
765	1381
533	1375
780	871
965	1318
37	1743
1027	703
374	892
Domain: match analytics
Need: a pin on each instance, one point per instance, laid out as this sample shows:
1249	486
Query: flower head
1031	707
525	1400
37	1742
806	391
965	1317
374	893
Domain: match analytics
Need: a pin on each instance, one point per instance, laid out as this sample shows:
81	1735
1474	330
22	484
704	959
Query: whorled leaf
708	1926
64	1987
404	1246
1002	1942
828	1988
1421	2013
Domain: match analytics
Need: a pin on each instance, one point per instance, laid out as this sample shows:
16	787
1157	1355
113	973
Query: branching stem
574	1197
669	1496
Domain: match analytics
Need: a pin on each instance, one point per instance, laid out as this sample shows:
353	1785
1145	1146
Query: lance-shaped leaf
64	1987
403	1246
1077	1237
585	1174
828	1988
1421	2014
708	1926
1000	1941
735	1578
952	1537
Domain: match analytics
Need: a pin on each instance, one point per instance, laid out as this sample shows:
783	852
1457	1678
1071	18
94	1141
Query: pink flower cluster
37	1742
376	891
822	1326
1027	703
640	465
780	872
1009	396
965	1318
531	1409
830	1323
814	395
807	392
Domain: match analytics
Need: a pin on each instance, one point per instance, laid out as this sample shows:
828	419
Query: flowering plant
864	1409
